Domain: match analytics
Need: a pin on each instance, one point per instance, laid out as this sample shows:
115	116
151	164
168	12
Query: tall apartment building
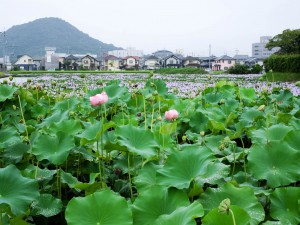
260	51
126	52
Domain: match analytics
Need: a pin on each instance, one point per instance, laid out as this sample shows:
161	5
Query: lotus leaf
104	207
285	205
275	162
17	191
241	196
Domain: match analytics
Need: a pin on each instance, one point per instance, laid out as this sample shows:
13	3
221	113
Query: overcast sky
229	26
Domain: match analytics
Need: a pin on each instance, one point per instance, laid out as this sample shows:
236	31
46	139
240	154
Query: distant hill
32	38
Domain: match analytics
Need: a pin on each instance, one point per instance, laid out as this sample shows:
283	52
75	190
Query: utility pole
3	34
209	53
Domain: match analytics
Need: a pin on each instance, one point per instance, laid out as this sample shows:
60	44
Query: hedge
283	63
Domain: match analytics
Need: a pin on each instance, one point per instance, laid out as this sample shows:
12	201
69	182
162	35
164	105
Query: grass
2	74
285	77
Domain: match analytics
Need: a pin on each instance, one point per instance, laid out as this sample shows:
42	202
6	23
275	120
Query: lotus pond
231	156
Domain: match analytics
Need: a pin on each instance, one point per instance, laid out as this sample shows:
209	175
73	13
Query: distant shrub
181	71
283	63
245	69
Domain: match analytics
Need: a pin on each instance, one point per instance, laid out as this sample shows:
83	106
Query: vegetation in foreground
283	77
228	156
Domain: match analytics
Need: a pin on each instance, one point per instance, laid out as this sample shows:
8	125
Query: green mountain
32	38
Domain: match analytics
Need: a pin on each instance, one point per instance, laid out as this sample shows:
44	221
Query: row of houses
157	60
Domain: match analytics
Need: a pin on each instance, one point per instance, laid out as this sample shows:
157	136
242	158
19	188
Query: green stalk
232	215
21	110
58	182
36	170
234	161
129	176
244	157
145	112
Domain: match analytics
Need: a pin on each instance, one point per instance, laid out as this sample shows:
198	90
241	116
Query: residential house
206	62
223	63
191	61
122	53
172	61
71	63
112	62
245	59
89	63
131	62
25	62
162	53
152	63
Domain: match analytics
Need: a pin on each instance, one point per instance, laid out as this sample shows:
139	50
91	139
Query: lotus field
149	151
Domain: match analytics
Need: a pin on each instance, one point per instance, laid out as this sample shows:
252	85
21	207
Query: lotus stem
145	112
234	161
129	175
244	157
22	114
232	215
58	182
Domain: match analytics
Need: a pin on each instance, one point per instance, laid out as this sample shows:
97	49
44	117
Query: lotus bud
152	84
224	206
202	133
28	80
53	83
208	77
183	138
10	78
159	118
222	101
155	92
261	108
14	107
5	81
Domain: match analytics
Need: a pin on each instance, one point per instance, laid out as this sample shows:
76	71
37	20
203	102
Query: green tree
288	41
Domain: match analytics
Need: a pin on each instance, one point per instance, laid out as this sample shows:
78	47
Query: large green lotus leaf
158	85
275	162
46	206
155	202
38	110
137	140
6	92
248	95
276	132
17	191
285	204
213	98
71	127
56	117
146	177
275	223
241	196
104	207
216	218
14	153
43	176
182	215
54	148
67	104
115	91
68	179
93	132
293	139
198	122
215	174
184	166
9	136
251	115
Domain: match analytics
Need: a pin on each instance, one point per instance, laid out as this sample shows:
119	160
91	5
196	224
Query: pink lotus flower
171	114
99	99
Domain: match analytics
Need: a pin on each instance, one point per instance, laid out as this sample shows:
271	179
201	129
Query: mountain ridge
31	38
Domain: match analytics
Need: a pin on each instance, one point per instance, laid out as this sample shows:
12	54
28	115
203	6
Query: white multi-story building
260	51
126	52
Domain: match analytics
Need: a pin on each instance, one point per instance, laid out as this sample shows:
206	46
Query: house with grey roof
152	63
162	53
191	61
172	61
223	63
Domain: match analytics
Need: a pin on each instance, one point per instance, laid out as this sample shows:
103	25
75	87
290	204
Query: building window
171	61
130	61
229	61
